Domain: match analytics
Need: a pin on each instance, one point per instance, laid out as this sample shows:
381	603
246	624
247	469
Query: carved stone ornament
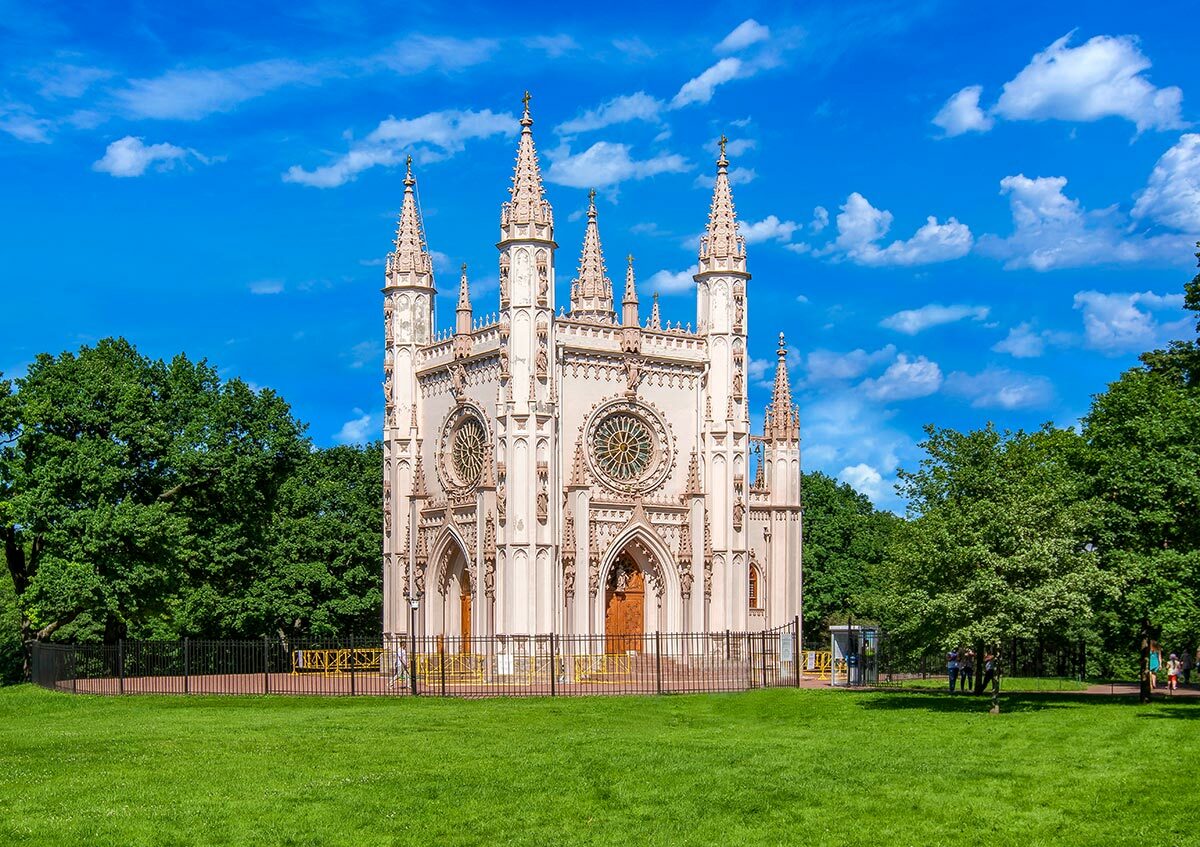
543	363
629	448
458	382
739	512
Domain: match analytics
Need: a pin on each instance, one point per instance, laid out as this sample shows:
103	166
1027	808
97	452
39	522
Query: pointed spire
463	311
579	475
692	488
655	319
591	290
526	214
721	247
568	542
781	421
409	262
419	478
629	305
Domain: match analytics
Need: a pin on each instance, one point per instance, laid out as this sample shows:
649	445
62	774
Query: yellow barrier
602	669
337	662
459	667
818	662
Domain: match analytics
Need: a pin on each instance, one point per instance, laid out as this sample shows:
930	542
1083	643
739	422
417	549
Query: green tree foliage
844	542
324	576
1143	436
996	544
137	495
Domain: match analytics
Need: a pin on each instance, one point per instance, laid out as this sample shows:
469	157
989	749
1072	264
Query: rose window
467	448
624	446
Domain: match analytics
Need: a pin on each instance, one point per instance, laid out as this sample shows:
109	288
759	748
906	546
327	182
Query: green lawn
1008	683
766	767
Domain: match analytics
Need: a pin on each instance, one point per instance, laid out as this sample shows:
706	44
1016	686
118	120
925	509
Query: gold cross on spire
723	142
629	258
526	100
592	196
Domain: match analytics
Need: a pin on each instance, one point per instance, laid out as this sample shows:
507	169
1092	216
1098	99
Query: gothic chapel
581	470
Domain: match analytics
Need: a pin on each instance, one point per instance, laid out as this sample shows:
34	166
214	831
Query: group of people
960	667
1176	667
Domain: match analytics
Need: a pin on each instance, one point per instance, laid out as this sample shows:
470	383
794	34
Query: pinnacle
527	204
722	248
591	290
409	263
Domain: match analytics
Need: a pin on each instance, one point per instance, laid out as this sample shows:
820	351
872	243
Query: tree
844	542
996	547
323	570
1143	435
130	487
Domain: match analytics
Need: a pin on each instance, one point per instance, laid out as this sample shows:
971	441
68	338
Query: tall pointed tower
721	315
408	302
780	473
526	413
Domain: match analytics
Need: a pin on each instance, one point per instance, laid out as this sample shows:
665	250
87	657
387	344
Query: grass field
1010	683
766	767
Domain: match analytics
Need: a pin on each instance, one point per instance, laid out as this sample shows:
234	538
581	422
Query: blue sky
958	213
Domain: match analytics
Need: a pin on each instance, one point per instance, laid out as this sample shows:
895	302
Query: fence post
796	649
352	677
74	669
121	665
727	645
186	683
442	662
412	662
764	652
266	668
553	665
658	660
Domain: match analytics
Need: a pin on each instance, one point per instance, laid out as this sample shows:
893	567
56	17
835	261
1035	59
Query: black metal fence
547	665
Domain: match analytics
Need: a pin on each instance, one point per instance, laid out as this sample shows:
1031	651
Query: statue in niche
504	359
387	323
543	281
458	381
740	304
739	512
501	500
388	381
632	375
569	579
504	276
489	577
542	362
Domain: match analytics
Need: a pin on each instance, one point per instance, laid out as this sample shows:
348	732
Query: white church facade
580	469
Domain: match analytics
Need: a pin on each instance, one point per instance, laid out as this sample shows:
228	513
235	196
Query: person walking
1172	672
989	670
967	671
1154	663
952	667
401	673
1186	665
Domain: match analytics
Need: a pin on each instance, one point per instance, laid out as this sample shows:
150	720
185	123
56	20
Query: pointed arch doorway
625	607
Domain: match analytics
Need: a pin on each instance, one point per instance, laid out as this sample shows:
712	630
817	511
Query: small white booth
854	652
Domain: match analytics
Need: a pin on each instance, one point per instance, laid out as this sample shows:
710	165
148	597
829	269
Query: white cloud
22	123
961	113
746	33
639	106
606	163
737	176
356	430
634	48
1124	323
820	219
860	225
553	45
365	353
865	480
757	370
769	228
1022	342
415	54
738	146
1052	230
1100	78
1172	194
905	379
266	286
671	282
828	366
1001	389
429	137
700	89
66	80
912	321
194	94
129	156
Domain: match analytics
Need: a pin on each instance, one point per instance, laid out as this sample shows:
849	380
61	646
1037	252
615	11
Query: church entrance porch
625	607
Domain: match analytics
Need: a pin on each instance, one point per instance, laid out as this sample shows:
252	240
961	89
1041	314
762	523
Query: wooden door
624	615
465	613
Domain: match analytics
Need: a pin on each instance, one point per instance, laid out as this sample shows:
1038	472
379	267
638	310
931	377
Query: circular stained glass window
467	449
623	446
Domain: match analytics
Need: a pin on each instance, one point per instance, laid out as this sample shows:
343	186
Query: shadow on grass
1181	709
1023	701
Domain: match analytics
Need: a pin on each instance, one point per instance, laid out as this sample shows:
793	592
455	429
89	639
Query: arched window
754	588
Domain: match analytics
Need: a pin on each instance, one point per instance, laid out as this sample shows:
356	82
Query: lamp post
413	605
